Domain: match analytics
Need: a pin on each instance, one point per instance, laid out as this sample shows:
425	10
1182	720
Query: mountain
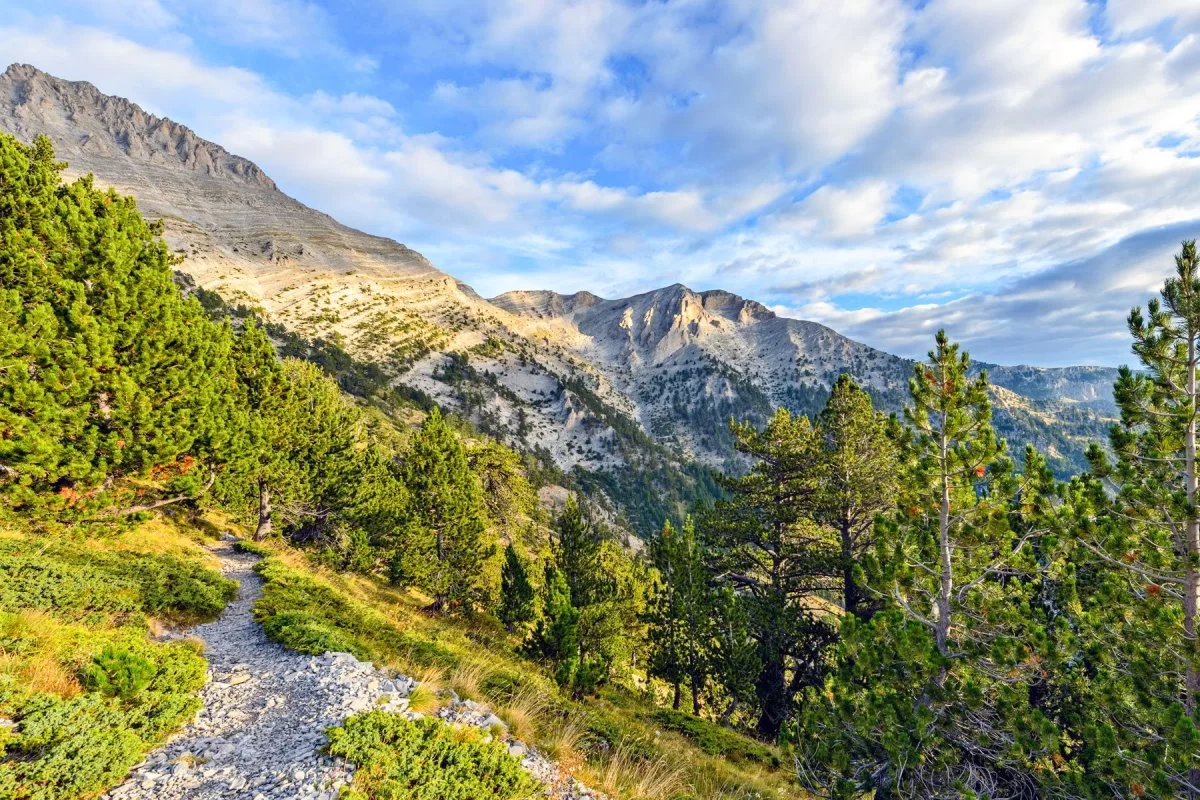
629	396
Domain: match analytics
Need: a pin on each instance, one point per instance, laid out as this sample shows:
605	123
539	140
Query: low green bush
74	583
715	739
425	759
119	671
69	743
252	547
78	746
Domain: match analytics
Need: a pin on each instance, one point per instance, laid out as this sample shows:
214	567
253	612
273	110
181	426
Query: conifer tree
577	554
107	370
264	456
931	697
953	447
733	654
516	593
556	636
679	615
445	542
765	542
666	628
1151	536
861	480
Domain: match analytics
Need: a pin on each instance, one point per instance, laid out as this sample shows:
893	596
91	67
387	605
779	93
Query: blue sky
1019	172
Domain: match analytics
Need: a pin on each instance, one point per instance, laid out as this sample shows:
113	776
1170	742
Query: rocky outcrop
674	361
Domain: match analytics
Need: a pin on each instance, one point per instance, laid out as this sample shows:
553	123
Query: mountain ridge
592	385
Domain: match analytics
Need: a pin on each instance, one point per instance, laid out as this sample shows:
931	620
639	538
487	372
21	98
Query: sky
1019	172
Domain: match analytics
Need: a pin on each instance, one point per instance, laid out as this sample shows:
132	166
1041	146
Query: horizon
1012	180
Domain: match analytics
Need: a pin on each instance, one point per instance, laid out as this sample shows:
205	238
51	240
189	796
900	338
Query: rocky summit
605	386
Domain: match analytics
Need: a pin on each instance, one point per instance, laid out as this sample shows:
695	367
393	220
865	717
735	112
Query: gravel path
265	712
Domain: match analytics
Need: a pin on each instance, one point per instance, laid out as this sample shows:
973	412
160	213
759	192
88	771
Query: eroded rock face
96	128
673	361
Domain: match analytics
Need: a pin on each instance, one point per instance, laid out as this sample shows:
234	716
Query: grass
613	742
90	690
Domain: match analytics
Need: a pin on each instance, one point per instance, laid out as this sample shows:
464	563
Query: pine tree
666	631
953	448
733	654
445	542
263	457
861	480
1151	536
105	370
931	697
577	554
516	593
765	542
679	615
556	636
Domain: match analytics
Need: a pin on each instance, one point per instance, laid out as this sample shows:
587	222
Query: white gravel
265	713
266	710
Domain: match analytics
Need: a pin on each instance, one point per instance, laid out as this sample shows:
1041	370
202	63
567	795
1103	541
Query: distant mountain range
630	395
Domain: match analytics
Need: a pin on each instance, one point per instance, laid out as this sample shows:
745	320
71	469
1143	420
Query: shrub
425	759
75	583
307	633
252	547
78	746
120	672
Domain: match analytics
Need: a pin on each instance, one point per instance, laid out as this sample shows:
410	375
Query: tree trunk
264	512
440	596
678	698
772	693
850	598
1191	554
727	715
946	582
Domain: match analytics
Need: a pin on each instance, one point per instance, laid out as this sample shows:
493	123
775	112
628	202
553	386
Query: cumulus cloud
881	166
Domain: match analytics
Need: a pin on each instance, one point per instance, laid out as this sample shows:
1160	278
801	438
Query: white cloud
841	212
614	145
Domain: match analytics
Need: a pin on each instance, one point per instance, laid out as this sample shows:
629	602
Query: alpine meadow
286	511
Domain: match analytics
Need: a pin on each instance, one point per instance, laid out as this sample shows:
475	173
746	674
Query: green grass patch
425	759
715	739
88	689
305	614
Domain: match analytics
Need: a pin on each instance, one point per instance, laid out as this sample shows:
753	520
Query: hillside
628	395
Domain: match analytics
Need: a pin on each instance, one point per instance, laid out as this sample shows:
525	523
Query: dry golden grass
525	711
561	738
424	697
623	774
40	665
466	679
40	673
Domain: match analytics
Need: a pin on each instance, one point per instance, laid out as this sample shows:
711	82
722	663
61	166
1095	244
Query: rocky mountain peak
87	126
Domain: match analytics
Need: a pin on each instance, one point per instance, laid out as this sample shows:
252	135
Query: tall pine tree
516	592
105	370
765	542
445	539
862	480
1151	536
680	612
